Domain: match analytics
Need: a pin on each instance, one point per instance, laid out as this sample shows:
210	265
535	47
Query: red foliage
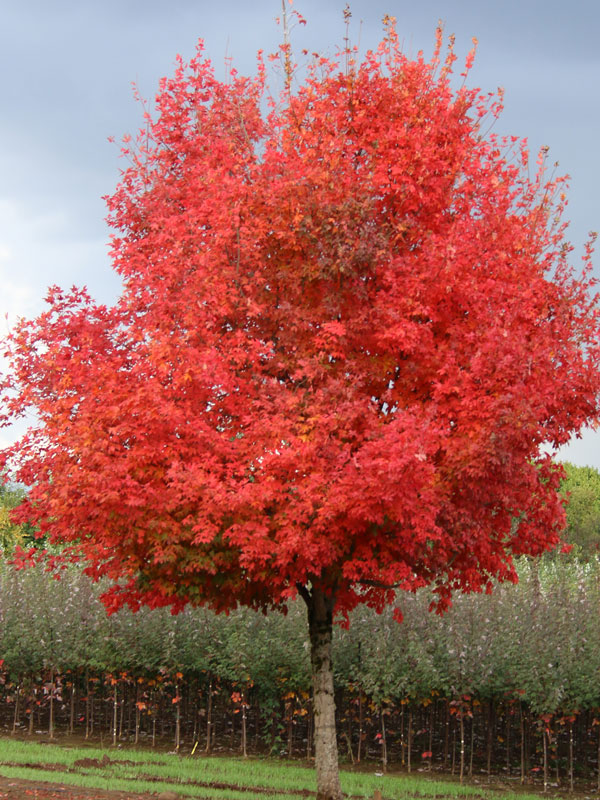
348	329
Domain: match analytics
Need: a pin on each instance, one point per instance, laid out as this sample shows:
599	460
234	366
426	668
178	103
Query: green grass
146	771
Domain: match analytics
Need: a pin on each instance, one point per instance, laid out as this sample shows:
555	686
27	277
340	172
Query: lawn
138	772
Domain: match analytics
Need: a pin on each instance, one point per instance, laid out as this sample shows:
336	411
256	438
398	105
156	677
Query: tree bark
209	719
384	758
598	785
490	737
571	757
177	716
72	707
115	711
462	742
51	723
545	744
320	626
410	741
16	714
244	733
360	726
446	734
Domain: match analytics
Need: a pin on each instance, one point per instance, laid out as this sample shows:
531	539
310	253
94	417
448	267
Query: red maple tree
348	332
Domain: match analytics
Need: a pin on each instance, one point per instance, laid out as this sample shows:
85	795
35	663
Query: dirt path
15	789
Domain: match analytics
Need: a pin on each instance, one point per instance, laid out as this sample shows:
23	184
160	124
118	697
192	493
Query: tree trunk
571	757
115	712
383	744
360	726
462	743
177	717
472	748
446	733
598	785
402	739
410	741
122	709
431	724
320	626
244	733
490	737
72	708
349	731
209	719
522	721
16	714
545	745
290	725
91	713
137	713
508	741
51	723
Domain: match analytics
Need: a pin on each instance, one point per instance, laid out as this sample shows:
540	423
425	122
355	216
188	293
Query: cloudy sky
68	67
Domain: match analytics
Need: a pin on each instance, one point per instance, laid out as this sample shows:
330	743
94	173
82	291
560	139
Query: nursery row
504	681
206	714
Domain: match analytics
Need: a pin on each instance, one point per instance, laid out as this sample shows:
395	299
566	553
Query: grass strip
133	786
214	777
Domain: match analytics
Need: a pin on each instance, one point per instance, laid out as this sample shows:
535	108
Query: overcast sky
68	67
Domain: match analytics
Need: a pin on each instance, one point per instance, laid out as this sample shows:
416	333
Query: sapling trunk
115	711
177	717
462	745
490	737
257	727
383	744
72	708
522	721
446	734
410	735
51	723
508	742
402	739
16	714
137	713
360	727
545	742
209	718
472	745
87	705
130	706
598	787
430	748
290	731
244	734
453	749
349	733
571	756
121	710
